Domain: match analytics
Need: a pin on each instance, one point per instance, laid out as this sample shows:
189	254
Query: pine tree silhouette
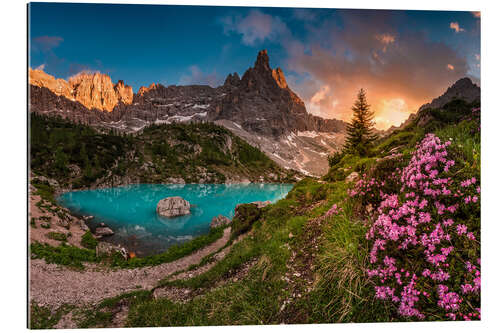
360	131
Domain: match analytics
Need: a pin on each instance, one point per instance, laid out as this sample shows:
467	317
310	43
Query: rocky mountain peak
96	90
124	91
143	90
59	87
232	80
463	89
92	90
262	61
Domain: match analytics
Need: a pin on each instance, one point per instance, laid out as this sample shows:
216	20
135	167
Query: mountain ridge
462	89
260	107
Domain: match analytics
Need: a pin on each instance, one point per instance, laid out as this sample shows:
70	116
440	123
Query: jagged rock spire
262	61
232	79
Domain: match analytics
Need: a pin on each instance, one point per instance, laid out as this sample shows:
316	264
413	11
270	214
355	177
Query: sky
402	59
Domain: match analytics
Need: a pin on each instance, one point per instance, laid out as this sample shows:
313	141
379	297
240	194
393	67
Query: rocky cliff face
92	90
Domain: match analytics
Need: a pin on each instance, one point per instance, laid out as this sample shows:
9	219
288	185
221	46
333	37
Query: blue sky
402	58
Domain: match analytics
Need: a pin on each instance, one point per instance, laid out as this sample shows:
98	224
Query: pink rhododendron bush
425	236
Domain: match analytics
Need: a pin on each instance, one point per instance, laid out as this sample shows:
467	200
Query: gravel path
53	285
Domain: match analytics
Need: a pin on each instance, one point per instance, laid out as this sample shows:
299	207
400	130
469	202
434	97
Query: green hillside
79	156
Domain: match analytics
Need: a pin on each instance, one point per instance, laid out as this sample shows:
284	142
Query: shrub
63	255
59	236
244	218
335	158
425	240
88	241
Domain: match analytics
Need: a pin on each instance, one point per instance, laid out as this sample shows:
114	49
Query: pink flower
461	229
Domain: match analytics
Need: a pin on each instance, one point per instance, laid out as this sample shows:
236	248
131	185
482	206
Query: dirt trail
53	285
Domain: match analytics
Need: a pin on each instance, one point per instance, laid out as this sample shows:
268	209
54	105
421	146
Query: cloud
337	59
256	27
46	43
476	14
304	14
455	26
450	67
385	38
196	76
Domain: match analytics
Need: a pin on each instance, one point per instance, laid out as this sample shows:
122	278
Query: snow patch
308	134
201	106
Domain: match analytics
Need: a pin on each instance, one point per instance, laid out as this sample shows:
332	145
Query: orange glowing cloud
331	67
476	14
385	38
455	26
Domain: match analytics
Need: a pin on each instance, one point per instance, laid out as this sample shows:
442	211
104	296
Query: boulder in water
173	206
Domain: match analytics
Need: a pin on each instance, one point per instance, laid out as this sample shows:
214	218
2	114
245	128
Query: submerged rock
218	221
173	206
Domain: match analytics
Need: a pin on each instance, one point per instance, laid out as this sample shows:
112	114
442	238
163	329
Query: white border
13	161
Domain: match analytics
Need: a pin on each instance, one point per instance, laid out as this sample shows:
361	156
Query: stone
173	180
353	176
173	206
261	204
103	231
63	223
83	225
74	170
218	221
51	182
105	249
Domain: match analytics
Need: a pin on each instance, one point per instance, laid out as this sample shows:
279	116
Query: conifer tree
360	131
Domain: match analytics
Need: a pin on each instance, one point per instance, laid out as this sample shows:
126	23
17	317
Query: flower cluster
423	243
334	210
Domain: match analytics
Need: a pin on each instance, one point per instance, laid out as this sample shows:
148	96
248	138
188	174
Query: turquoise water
131	210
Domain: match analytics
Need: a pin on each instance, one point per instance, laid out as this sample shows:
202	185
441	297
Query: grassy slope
194	152
340	291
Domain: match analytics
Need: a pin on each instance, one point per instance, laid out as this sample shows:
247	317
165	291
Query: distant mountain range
259	107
